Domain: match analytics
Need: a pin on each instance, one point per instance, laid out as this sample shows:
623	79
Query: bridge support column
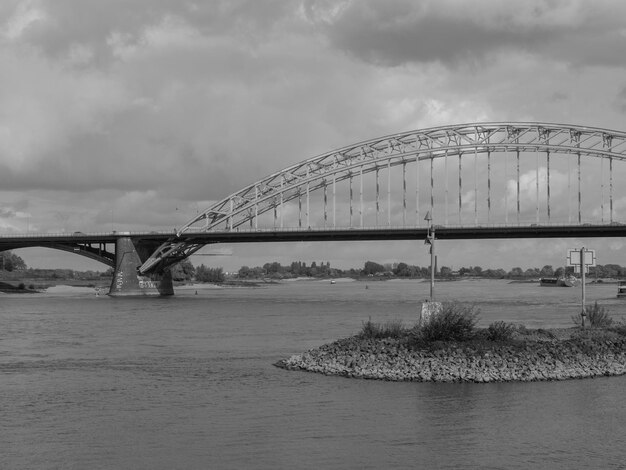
127	282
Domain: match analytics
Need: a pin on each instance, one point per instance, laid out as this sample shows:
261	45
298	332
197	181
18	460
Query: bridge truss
507	173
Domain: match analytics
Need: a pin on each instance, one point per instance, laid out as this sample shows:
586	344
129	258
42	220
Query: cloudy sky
135	114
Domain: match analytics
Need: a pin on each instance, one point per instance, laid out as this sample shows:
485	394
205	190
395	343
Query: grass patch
500	331
390	329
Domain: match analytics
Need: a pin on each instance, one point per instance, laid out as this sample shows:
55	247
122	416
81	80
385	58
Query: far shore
11	284
33	286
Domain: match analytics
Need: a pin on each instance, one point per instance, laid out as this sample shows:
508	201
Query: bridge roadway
55	240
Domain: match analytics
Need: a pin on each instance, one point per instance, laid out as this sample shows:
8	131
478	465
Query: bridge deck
9	242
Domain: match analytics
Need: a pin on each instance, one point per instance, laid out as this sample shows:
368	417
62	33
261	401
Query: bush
597	317
500	331
455	322
390	329
620	329
521	329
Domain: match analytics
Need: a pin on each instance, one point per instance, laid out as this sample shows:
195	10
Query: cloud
453	31
45	107
25	16
52	25
116	113
14	215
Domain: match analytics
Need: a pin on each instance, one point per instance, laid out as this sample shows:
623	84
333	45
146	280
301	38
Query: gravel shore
547	355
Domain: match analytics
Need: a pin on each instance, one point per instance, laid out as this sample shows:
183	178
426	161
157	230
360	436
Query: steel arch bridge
505	177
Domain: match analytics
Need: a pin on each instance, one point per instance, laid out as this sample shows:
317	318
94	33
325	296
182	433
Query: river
187	382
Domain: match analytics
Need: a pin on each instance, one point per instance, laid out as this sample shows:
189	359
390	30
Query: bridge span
104	246
477	181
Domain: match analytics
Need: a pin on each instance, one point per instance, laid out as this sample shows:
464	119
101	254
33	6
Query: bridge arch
100	252
463	140
418	149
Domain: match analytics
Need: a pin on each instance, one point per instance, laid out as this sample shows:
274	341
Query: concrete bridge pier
129	255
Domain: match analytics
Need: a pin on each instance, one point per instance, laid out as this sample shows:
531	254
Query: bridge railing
402	227
78	235
113	234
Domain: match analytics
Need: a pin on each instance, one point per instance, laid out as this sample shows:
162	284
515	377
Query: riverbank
533	355
7	288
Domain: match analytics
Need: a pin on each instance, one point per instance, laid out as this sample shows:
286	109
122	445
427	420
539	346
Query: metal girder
398	149
88	251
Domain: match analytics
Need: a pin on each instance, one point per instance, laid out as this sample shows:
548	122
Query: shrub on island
500	331
454	322
597	316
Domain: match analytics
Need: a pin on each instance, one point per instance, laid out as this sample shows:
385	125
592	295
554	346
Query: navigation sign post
581	259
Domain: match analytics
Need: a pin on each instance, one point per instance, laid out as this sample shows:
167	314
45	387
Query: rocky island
500	353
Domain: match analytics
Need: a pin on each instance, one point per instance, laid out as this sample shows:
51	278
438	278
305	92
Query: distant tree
258	272
546	271
11	262
325	269
372	268
531	272
415	271
402	270
612	270
516	272
296	267
494	273
273	268
244	272
445	271
206	274
182	271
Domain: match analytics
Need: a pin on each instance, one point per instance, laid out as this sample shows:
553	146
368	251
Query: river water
188	383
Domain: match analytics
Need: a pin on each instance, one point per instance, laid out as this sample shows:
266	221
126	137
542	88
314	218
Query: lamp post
430	240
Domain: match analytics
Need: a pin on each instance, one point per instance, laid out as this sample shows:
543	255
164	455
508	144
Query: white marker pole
582	276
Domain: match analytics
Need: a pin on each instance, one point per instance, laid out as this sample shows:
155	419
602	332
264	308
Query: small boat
548	281
621	288
569	281
332	281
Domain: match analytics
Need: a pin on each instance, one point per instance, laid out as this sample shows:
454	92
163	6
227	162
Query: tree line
404	270
185	271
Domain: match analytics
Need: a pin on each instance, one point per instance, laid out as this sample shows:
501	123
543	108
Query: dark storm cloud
403	31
